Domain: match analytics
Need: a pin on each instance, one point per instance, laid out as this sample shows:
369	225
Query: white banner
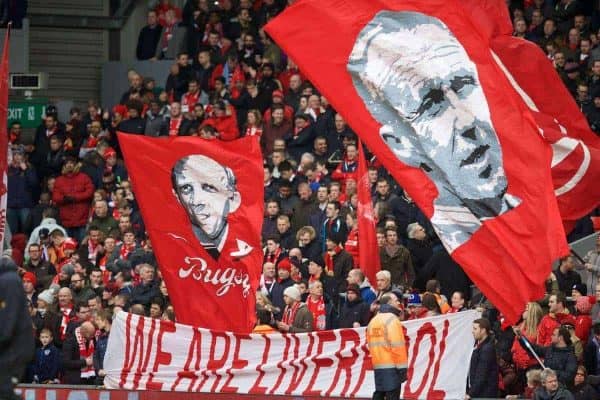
150	354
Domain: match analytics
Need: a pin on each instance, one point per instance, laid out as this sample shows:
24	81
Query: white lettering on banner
223	279
150	354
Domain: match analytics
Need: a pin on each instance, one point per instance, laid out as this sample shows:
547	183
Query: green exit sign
29	113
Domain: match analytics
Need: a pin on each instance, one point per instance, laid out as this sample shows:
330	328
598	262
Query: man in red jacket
224	122
558	314
73	192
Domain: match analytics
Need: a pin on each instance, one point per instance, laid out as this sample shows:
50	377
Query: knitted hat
68	269
353	287
293	293
109	152
285	264
277	93
70	244
583	305
29	277
43	233
581	288
414	300
47	296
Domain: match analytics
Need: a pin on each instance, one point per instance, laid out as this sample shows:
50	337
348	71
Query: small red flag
424	93
368	252
4	135
203	212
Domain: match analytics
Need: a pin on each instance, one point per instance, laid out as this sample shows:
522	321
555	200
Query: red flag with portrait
368	252
203	212
4	135
423	92
575	147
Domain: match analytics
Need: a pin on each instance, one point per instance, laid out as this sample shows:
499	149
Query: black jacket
16	331
355	311
72	362
143	294
133	125
561	360
590	357
147	42
483	372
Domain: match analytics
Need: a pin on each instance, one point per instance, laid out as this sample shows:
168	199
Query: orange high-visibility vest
385	338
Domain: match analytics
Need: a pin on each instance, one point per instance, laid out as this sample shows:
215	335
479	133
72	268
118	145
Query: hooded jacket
72	194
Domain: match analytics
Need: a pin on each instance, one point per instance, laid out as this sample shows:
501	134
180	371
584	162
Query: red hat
109	152
29	277
285	264
277	93
70	244
583	305
120	109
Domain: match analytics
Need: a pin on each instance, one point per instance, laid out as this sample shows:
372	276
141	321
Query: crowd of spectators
79	241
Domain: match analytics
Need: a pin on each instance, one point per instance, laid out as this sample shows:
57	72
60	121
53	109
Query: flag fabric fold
423	91
575	148
368	252
203	213
4	66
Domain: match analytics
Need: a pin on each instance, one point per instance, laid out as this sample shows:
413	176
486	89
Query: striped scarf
85	350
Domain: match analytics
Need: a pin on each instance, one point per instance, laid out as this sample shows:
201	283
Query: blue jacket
48	363
20	187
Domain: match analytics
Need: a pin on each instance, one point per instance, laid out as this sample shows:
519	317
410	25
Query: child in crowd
47	360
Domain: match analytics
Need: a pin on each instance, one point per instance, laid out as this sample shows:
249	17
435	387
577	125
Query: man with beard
304	208
268	84
43	270
277	128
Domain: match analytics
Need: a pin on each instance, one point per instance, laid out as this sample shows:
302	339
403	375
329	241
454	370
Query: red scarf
289	314
329	258
317	309
92	251
190	100
66	318
86	349
125	250
13	137
174	125
273	257
253	131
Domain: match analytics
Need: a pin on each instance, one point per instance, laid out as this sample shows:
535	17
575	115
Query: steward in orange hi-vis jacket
387	344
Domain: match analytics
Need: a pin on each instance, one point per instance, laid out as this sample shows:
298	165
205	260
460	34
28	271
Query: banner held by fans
421	89
203	213
151	354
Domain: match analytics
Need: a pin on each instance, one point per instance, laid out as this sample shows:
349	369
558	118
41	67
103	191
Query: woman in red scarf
253	124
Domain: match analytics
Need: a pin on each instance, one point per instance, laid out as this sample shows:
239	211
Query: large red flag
203	212
424	93
4	135
575	148
368	252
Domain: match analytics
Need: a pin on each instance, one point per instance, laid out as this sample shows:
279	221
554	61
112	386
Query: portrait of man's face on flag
207	191
418	82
